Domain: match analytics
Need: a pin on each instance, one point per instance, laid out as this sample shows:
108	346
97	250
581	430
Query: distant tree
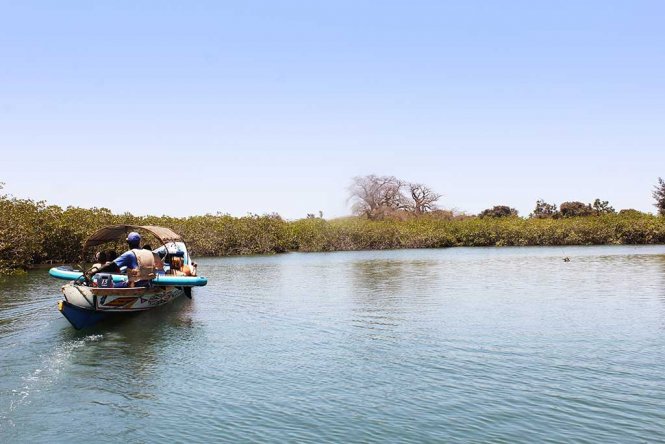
630	212
423	198
602	207
442	214
499	211
575	209
453	214
659	195
545	210
375	196
378	197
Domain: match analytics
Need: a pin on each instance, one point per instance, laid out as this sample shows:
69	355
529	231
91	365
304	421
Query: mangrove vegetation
33	232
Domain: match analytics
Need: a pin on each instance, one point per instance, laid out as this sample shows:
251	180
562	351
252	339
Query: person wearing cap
140	264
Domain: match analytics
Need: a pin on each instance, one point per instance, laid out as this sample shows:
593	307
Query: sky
186	108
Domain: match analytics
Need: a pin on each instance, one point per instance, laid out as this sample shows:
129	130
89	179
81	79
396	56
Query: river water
450	345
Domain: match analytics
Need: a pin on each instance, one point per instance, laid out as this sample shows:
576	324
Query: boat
87	300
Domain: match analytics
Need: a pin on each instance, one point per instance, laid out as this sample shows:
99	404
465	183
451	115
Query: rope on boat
84	296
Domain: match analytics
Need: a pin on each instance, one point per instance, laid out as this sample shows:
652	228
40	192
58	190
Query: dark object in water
566	259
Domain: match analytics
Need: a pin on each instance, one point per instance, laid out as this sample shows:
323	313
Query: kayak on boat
68	273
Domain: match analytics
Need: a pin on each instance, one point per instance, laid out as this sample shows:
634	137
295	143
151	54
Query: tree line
385	197
33	232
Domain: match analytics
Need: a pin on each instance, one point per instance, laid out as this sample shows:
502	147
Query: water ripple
460	345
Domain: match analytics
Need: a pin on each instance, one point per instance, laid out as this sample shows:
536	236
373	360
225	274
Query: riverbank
33	232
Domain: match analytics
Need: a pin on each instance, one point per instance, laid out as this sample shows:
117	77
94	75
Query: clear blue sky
191	107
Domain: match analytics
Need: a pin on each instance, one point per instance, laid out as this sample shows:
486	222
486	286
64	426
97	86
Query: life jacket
145	270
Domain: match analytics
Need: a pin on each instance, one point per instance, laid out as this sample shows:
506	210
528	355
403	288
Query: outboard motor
104	280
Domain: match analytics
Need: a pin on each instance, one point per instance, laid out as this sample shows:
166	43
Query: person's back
159	264
144	272
140	264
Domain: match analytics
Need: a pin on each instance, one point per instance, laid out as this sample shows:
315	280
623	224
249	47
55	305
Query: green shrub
32	232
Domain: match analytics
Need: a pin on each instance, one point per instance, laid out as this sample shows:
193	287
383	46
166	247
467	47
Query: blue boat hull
81	317
84	307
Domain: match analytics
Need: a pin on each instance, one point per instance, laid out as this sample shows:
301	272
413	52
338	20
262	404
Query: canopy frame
112	233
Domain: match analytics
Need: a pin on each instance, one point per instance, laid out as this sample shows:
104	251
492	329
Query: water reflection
661	284
22	298
123	359
253	283
518	344
383	291
378	276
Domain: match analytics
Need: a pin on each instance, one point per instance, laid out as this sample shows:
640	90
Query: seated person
140	264
176	265
111	255
100	259
178	269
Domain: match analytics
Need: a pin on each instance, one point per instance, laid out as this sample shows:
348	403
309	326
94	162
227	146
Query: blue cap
133	238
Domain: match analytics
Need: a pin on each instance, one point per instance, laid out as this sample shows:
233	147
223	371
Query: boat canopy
119	232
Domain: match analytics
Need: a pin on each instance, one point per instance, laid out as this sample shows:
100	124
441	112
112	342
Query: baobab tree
379	196
423	198
372	195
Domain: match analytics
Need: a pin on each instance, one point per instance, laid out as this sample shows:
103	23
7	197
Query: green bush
32	232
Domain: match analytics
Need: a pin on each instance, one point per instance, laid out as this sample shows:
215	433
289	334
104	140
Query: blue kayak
69	274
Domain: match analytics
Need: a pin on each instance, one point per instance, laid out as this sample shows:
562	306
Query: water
452	345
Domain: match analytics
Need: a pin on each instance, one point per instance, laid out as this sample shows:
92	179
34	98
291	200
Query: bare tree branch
423	198
373	195
378	196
